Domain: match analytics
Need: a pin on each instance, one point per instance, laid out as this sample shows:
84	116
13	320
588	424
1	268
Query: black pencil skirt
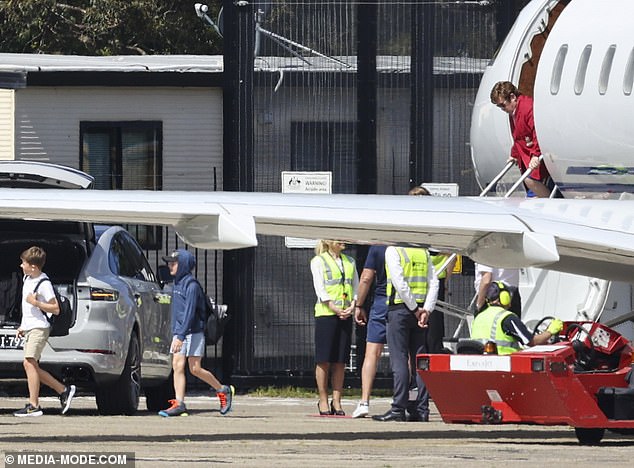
332	339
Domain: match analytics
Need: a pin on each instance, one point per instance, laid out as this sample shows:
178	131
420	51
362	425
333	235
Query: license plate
11	342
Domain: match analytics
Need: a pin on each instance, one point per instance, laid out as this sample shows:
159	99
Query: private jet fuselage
576	58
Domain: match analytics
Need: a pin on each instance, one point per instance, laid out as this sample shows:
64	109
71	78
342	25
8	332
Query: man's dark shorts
377	321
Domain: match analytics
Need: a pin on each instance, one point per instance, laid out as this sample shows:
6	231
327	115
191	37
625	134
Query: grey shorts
34	342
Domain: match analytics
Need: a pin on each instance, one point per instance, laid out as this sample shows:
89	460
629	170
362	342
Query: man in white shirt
412	290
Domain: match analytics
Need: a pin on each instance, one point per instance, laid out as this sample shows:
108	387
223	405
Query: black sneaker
29	410
66	397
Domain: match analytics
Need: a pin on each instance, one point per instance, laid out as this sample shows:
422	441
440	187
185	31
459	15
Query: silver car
119	342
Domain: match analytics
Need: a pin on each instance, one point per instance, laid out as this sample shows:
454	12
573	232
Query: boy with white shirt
38	298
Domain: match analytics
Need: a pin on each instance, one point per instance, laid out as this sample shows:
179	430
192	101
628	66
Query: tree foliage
106	27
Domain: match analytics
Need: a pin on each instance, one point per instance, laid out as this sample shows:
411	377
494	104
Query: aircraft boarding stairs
465	316
550	293
463	329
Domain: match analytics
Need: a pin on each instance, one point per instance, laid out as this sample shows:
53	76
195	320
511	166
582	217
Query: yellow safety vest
338	283
487	326
415	262
438	260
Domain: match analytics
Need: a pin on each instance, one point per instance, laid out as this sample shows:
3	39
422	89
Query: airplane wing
587	237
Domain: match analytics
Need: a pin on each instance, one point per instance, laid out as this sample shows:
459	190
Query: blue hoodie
186	298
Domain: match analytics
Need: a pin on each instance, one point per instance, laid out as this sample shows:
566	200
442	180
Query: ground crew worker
436	322
496	323
336	281
412	289
486	275
436	330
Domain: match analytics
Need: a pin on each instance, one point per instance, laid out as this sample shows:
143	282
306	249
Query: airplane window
628	79
606	68
582	68
555	79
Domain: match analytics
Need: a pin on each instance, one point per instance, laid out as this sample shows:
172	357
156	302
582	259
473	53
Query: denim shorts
194	344
377	322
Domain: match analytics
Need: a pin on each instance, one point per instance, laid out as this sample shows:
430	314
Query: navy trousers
406	339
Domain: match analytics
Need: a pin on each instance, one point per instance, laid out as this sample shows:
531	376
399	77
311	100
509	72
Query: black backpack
60	323
216	318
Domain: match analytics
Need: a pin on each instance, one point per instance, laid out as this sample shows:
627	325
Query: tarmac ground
286	432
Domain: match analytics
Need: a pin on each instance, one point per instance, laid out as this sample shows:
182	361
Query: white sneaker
362	410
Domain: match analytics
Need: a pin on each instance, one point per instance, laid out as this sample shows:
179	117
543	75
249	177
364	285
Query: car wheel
156	398
122	397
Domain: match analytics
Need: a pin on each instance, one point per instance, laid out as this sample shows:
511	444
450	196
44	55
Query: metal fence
377	92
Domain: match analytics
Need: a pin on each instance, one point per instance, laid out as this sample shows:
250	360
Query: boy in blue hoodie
188	331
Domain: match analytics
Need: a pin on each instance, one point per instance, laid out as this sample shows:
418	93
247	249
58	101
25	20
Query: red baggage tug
584	380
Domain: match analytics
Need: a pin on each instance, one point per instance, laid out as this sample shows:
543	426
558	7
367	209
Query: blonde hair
323	245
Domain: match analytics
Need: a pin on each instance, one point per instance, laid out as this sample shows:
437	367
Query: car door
33	174
153	310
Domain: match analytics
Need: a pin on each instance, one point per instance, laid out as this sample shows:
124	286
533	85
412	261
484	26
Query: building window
125	156
326	146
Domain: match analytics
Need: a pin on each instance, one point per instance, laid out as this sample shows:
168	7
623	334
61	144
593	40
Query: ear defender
505	295
498	291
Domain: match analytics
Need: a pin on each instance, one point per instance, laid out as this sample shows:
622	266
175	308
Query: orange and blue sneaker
177	409
225	395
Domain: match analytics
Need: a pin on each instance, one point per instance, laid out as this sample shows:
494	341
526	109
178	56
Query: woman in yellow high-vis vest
336	281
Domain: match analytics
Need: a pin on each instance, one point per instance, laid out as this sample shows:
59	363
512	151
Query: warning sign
305	182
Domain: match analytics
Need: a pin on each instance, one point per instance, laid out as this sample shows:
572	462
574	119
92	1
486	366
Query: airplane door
515	61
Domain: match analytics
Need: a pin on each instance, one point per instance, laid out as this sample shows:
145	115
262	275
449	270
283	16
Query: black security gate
377	92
